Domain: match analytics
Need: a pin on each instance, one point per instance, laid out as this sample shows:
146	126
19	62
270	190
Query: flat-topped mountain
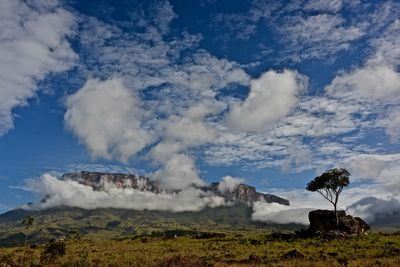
99	181
244	193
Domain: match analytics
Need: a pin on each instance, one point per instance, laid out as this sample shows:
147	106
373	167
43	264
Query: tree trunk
337	216
26	239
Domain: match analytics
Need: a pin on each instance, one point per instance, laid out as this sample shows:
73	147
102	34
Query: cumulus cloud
71	193
33	44
373	82
190	129
382	169
168	90
367	166
229	183
178	172
177	82
106	117
272	96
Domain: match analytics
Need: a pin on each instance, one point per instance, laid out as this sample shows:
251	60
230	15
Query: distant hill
123	223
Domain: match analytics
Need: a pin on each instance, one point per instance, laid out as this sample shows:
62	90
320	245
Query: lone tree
28	221
330	184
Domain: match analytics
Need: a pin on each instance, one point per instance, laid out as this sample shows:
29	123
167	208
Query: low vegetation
230	248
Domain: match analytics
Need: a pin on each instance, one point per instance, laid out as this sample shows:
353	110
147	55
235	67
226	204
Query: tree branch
325	196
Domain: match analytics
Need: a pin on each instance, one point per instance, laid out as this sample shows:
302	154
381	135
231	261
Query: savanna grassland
244	248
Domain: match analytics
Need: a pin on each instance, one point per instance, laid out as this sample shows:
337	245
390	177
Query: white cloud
369	202
71	193
272	96
177	82
373	82
319	116
33	44
190	129
276	213
229	183
321	30
372	209
163	150
106	117
367	166
323	5
179	171
391	123
382	169
309	29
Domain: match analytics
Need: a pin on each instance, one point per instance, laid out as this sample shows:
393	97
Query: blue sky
274	92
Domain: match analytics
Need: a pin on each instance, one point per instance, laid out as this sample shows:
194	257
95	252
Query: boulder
254	259
293	254
324	222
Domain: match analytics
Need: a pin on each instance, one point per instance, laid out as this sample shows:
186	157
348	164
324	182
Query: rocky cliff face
245	193
100	181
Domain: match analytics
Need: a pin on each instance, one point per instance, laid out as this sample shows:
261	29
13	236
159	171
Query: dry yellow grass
232	250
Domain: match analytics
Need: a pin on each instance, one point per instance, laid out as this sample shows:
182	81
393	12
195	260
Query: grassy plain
244	248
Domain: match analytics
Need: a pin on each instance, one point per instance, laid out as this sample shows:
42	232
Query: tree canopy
330	184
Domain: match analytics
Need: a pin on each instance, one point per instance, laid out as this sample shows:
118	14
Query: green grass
234	249
112	237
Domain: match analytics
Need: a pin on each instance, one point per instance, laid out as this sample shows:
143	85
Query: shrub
53	250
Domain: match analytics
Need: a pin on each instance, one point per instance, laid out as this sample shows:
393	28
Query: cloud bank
378	208
72	194
373	209
280	214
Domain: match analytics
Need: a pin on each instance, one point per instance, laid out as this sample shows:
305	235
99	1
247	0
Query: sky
271	92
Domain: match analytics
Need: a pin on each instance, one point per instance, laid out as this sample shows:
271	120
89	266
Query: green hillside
120	223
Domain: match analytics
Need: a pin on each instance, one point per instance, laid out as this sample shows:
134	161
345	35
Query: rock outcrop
324	222
100	181
244	193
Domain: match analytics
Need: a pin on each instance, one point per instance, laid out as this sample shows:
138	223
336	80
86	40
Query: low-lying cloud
276	213
378	206
73	194
56	193
373	209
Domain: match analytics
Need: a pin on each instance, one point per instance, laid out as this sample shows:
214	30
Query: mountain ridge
99	181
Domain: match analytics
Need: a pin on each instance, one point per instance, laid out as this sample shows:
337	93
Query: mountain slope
122	223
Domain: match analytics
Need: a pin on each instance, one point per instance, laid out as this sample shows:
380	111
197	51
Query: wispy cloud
33	44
